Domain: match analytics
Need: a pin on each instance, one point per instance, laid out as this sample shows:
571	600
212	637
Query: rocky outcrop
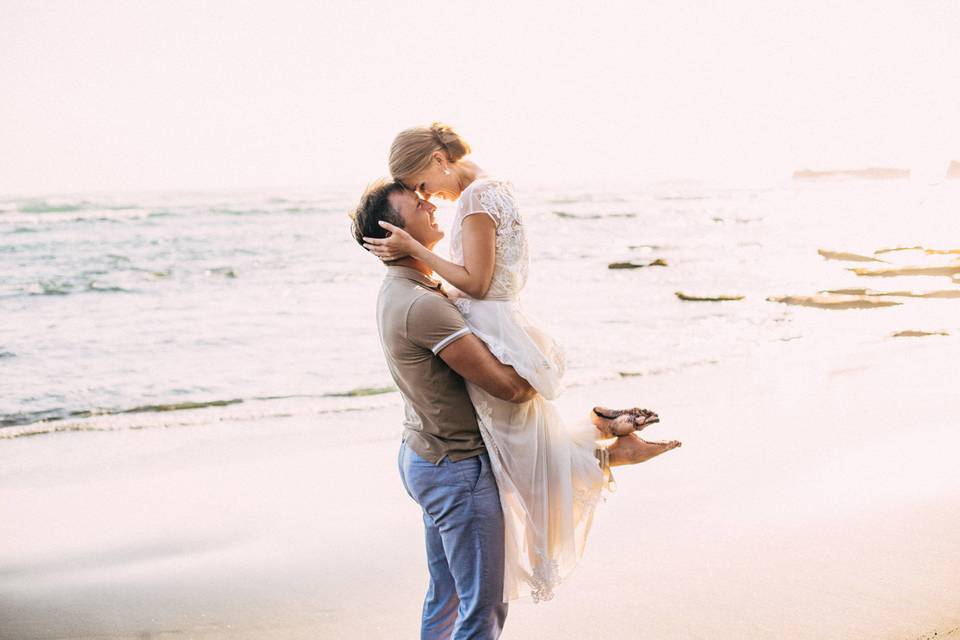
918	270
892	249
659	262
911	333
720	298
940	293
835	301
847	256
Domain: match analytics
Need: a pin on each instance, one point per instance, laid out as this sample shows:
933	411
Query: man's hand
470	357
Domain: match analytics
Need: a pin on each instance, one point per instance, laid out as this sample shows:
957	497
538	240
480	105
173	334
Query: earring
446	172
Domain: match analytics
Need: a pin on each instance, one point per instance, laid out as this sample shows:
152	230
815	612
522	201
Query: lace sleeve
474	203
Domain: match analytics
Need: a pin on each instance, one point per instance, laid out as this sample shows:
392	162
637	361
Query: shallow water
259	302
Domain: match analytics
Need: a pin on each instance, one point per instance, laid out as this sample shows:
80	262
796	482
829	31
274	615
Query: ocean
142	310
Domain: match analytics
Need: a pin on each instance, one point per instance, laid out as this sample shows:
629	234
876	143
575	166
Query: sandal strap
603	456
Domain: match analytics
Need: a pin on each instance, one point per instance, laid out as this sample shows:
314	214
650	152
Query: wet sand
811	499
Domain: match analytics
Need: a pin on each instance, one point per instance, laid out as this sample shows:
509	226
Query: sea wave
65	287
592	216
661	371
106	419
53	415
42	205
70	215
361	392
47	288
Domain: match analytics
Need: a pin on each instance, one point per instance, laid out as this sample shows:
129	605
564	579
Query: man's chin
434	240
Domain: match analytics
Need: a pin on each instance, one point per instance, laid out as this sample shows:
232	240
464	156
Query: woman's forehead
412	182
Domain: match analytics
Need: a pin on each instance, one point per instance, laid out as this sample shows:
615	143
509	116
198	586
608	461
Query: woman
548	474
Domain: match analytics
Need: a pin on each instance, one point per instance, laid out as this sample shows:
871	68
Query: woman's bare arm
479	235
471	358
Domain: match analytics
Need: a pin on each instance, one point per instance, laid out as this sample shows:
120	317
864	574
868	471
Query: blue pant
463	524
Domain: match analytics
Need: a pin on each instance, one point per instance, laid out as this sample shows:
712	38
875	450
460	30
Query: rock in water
911	333
849	257
942	293
939	293
659	262
849	292
690	298
887	272
891	249
835	301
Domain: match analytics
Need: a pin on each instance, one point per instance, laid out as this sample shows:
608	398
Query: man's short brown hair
375	206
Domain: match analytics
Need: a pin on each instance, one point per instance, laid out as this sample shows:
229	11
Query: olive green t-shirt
416	321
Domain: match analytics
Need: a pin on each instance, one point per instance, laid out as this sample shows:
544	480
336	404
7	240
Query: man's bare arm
470	357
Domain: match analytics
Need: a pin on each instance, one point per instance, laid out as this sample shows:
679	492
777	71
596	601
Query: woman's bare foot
620	422
632	449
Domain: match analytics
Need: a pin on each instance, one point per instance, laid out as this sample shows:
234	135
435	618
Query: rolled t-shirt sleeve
433	322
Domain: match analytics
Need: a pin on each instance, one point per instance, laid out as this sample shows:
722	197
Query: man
443	463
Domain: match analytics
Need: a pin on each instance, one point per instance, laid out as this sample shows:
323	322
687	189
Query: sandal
613	423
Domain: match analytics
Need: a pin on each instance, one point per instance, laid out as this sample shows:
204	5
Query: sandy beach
741	215
811	499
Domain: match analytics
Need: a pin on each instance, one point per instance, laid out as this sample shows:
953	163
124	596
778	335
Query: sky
128	95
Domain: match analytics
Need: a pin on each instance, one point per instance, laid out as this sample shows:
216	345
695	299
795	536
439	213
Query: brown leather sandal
613	423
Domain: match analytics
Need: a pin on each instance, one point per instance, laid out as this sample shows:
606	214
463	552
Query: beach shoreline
838	521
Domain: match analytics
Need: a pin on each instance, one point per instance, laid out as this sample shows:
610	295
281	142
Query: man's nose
431	206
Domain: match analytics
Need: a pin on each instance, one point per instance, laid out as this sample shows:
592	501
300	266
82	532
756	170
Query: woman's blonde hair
412	149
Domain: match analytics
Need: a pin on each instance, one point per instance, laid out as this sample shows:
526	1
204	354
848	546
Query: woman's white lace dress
548	475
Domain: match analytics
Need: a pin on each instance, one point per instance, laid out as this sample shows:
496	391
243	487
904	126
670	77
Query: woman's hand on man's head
399	244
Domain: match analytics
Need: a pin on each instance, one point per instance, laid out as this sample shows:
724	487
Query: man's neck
413	263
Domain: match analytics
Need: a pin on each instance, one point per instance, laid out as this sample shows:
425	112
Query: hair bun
412	149
442	133
450	141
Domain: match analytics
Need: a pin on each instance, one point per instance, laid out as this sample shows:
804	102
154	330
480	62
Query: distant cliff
872	173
